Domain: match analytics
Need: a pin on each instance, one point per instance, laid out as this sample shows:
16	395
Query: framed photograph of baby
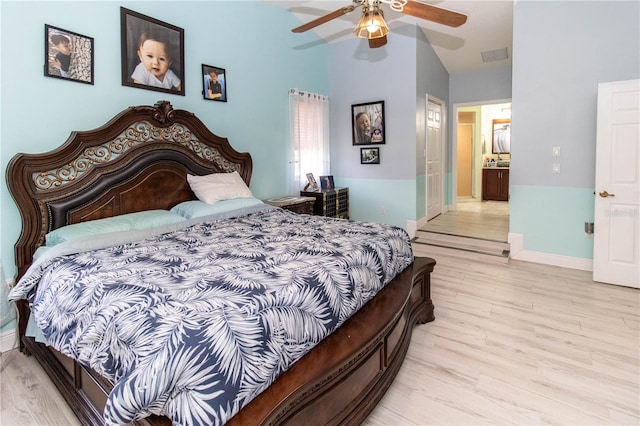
152	53
214	80
368	123
68	55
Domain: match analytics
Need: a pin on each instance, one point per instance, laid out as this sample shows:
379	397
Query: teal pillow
196	208
125	222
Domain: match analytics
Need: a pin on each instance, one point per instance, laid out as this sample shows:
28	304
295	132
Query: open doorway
479	205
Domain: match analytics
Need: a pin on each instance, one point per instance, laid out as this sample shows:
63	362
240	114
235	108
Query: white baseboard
518	253
412	228
8	341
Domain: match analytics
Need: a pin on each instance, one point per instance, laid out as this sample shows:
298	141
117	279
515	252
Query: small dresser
330	202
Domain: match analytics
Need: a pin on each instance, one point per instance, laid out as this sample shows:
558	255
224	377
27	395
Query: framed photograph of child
152	53
369	155
214	80
68	55
368	123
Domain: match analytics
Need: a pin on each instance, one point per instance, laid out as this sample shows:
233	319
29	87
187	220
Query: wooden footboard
339	382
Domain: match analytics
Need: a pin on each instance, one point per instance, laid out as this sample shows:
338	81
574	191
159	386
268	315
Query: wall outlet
555	151
382	211
556	168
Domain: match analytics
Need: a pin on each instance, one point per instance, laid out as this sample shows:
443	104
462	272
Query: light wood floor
520	343
488	220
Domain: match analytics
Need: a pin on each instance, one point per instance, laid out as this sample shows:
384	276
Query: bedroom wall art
214	81
152	53
68	55
368	123
369	155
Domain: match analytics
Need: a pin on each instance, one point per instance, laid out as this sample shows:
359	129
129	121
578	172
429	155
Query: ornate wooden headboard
137	161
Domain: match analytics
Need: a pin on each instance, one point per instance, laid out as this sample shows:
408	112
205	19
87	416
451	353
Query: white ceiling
489	26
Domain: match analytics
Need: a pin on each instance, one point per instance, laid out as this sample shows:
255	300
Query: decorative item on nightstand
330	202
302	205
311	185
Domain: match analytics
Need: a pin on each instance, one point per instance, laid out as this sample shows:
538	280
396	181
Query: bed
139	162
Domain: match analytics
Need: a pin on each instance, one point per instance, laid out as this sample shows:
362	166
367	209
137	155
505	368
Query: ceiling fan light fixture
371	24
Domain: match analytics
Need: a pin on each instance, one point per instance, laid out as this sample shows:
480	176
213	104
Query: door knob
605	194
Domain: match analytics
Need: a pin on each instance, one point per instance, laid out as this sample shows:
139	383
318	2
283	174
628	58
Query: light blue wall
400	73
485	85
433	80
38	113
555	82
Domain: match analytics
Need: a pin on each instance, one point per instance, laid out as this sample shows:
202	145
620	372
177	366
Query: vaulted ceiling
489	28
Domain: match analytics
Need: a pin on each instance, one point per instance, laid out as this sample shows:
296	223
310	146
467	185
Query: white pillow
219	186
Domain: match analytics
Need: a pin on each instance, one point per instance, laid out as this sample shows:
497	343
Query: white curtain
309	135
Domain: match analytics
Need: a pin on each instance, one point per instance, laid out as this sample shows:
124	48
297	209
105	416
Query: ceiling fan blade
377	42
326	18
433	13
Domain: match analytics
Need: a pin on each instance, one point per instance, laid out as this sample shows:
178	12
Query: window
309	136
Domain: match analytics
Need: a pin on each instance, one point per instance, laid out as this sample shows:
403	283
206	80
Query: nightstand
295	204
330	202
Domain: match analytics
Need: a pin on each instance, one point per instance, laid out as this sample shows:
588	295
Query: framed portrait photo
152	53
68	55
326	182
214	81
368	123
369	155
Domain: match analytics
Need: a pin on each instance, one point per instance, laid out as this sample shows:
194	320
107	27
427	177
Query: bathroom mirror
501	138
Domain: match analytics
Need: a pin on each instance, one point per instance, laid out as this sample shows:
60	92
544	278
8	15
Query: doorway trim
443	154
454	145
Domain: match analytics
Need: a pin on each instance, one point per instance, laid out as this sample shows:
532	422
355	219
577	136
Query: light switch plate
556	151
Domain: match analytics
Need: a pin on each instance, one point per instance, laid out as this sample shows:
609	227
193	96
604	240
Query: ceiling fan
372	25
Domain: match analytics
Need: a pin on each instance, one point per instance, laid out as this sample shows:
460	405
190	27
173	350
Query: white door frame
454	144
443	150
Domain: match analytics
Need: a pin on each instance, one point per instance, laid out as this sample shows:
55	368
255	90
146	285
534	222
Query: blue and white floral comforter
196	322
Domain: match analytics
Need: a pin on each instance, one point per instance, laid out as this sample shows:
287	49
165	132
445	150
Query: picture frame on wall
152	53
68	55
369	155
214	81
368	123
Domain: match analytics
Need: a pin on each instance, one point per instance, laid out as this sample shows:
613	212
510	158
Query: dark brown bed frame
139	161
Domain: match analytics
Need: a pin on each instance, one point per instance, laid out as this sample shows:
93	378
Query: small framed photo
326	182
152	53
214	83
311	183
369	155
68	55
368	123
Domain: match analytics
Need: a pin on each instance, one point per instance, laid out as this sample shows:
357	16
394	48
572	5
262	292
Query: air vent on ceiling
495	55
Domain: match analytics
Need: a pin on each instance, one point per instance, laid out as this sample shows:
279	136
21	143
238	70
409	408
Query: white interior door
616	251
434	159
